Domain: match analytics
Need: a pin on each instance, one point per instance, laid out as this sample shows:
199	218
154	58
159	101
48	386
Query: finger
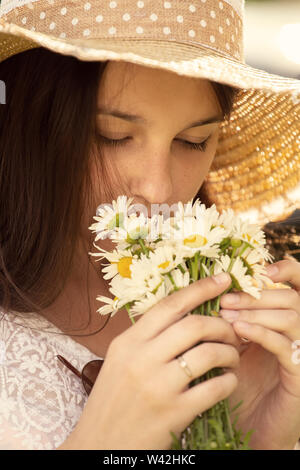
209	392
173	307
288	271
286	322
270	298
200	360
272	341
189	331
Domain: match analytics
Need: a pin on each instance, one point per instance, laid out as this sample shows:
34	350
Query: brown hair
47	129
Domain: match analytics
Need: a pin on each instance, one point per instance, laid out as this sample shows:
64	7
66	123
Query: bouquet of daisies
155	256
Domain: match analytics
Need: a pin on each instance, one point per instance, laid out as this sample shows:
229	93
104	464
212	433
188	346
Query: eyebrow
140	120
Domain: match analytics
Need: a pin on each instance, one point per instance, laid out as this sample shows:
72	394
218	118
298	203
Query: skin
156	168
269	371
155	165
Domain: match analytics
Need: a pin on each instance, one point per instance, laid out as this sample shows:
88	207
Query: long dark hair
47	129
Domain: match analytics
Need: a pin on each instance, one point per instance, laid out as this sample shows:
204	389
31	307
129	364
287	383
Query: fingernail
221	278
229	315
272	270
231	299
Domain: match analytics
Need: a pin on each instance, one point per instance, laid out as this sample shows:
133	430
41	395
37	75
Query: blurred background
272	36
272	43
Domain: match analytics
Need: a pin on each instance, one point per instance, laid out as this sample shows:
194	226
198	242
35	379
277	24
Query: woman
59	145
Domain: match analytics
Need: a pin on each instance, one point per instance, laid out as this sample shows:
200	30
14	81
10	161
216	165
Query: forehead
132	87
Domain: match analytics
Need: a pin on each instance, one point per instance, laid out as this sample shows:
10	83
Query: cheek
192	170
195	165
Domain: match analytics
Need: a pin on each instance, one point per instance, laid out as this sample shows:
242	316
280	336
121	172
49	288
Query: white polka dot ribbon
212	23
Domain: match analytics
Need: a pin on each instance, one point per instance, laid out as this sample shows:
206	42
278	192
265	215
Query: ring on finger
245	340
184	365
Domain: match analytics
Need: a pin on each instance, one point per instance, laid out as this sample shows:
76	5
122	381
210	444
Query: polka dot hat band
256	170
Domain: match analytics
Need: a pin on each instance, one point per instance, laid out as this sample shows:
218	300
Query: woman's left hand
269	371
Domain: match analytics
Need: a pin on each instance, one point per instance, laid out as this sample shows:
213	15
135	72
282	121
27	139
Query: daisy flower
144	278
211	214
112	305
156	227
134	227
165	288
184	210
165	258
251	233
110	217
242	280
257	270
227	221
149	300
180	279
119	264
195	235
156	256
197	210
103	255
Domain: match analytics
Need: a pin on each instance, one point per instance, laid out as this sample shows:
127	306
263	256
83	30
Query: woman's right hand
141	393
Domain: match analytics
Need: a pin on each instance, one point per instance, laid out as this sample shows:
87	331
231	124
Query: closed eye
201	146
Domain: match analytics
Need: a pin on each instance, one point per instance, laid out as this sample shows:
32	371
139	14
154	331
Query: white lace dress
41	400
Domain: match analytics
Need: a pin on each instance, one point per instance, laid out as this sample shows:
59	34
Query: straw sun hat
256	170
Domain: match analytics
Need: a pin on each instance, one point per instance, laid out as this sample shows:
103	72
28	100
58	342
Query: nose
152	179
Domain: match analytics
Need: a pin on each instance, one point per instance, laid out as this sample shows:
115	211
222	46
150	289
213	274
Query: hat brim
256	170
187	59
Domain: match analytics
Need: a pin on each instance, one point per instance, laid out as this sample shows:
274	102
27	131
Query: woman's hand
269	370
142	393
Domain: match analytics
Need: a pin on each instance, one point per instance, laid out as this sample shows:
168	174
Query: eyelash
192	145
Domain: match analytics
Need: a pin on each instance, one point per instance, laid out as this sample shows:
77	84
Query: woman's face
156	160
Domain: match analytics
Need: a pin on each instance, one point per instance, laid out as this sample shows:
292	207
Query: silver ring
184	365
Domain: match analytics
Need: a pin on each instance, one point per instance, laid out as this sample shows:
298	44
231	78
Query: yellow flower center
247	236
124	266
194	241
164	265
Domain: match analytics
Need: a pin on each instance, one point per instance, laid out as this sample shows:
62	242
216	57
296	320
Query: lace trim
40	399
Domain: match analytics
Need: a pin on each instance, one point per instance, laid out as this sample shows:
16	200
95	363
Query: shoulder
40	399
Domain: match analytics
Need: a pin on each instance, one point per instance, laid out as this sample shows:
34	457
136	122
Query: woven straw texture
256	170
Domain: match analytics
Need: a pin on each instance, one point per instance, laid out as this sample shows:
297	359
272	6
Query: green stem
213	429
145	250
226	407
172	280
181	268
202	275
243	248
213	267
232	259
189	265
195	266
128	311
